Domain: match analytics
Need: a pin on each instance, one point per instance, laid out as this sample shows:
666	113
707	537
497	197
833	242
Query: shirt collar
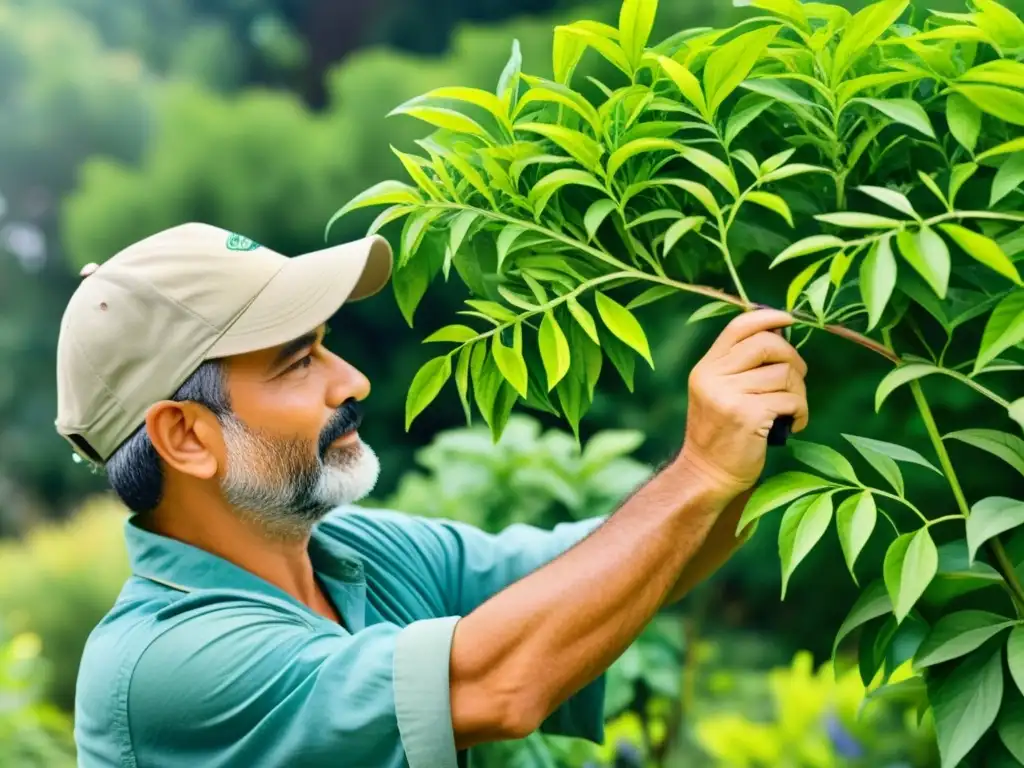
187	568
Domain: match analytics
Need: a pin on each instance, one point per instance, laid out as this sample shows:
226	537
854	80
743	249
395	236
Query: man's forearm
530	647
718	546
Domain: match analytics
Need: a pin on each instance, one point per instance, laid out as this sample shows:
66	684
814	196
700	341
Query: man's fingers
746	325
779	377
783	404
764	348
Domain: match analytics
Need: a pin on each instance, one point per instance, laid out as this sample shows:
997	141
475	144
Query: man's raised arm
522	653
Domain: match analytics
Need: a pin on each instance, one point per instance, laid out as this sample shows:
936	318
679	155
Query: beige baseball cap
142	322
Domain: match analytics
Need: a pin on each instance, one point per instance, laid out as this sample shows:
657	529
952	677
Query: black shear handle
780	431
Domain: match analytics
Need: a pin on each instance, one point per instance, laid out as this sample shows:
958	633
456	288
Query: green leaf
554	181
900	376
1015	656
475	96
990	517
964	120
741	117
558	94
905	111
790	9
861	32
777	491
816	294
999	102
459	227
636	17
929	182
605	46
596	214
910	564
1007	447
472	175
387	216
508	81
659	215
453	333
565	54
776	161
1014	145
855	522
884	465
890	197
772	203
651	295
711	309
511	364
800	282
678	229
619	157
793	169
858	220
891	450
426	385
957	634
1016	411
826	460
620	321
803	525
1004	329
584	149
807	245
960	175
877	279
966	703
927	253
685	81
730	64
447	119
462	380
1010	726
554	349
873	602
713	167
506	239
982	249
382	193
1008	178
881	81
411	280
622	358
584	318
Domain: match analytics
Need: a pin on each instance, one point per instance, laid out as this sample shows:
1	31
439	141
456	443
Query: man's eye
304	362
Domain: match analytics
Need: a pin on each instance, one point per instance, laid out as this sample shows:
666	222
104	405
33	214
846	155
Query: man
268	623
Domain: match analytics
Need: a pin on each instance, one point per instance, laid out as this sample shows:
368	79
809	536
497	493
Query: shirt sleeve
471	565
248	685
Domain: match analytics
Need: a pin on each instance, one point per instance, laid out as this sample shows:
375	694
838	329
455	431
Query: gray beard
283	489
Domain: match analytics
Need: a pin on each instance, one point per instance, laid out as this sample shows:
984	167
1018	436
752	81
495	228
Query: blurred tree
55	110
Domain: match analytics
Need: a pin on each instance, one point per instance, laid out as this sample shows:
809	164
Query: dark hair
134	470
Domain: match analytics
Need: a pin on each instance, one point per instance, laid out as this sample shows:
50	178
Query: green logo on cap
238	242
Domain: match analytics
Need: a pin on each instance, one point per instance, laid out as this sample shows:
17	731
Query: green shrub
59	582
525	477
33	734
876	158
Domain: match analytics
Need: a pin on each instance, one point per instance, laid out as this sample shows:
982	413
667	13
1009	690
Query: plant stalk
995	545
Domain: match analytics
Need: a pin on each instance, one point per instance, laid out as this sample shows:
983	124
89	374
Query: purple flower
845	744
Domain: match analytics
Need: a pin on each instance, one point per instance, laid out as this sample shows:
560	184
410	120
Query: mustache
347	418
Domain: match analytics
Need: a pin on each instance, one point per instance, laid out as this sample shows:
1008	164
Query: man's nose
347	383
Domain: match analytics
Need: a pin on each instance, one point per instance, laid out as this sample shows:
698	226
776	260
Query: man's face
292	452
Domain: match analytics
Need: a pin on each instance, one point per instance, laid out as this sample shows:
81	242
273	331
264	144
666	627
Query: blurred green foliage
33	732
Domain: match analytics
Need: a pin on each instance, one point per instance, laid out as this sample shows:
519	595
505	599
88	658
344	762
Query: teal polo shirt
201	664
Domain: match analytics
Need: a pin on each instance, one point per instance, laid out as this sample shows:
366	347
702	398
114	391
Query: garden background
263	117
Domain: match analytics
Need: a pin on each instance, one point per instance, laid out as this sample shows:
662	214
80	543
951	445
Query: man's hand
749	377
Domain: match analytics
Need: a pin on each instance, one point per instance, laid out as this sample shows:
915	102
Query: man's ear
187	437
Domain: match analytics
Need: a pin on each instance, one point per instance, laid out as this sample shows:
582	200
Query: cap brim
306	293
